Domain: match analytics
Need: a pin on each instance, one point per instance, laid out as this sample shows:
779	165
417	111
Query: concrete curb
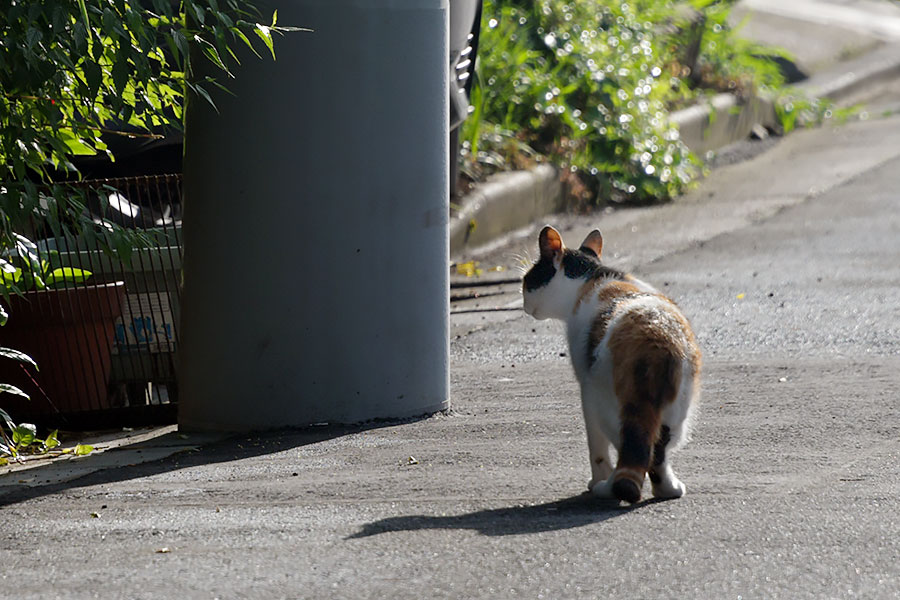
505	202
510	201
726	119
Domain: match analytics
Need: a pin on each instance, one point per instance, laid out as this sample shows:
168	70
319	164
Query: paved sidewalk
792	475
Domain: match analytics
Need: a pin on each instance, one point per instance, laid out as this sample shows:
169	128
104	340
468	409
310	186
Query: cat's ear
549	242
593	242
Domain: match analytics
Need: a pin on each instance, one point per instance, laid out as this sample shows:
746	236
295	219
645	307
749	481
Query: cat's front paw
673	488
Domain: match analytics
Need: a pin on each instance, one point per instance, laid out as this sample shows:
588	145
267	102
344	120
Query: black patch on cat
598	331
632	411
655	381
635	446
584	264
659	449
577	263
626	490
539	275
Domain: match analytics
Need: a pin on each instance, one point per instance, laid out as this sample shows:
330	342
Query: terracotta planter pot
70	334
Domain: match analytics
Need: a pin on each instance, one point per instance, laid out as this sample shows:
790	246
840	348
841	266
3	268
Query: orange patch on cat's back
609	291
615	290
607	297
645	353
663	327
644	335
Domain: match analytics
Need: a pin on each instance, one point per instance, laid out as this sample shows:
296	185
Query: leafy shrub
590	84
37	270
76	73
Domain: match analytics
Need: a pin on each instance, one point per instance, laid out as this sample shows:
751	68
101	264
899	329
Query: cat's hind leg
599	454
662	477
648	381
676	423
634	454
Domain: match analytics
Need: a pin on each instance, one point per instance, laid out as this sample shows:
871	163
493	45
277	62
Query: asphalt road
788	265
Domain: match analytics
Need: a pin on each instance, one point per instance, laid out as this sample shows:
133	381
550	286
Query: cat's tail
647	385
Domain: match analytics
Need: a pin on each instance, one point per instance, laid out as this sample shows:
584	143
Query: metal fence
105	346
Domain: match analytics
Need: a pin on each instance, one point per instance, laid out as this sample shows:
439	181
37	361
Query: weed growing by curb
589	84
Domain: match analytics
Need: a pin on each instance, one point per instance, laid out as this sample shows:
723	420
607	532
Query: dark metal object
462	71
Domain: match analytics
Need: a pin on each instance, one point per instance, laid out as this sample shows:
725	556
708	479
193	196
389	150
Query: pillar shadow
232	448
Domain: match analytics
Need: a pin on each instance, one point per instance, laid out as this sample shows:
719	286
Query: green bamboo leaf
83	33
33	37
84	13
9	273
211	53
6	418
224	19
199	13
265	35
93	76
180	43
202	92
240	35
27	249
121	70
17	355
9	281
74	144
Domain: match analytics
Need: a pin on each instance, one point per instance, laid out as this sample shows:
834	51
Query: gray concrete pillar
315	231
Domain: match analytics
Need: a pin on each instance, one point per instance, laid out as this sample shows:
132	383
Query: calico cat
635	357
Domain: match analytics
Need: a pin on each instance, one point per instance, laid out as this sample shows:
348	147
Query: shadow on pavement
567	513
120	464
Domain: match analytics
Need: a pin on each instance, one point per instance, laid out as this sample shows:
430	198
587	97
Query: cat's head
551	286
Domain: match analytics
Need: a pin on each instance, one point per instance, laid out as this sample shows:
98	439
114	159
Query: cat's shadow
567	513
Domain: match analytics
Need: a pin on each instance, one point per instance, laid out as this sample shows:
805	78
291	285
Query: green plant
9	353
20	440
40	270
23	438
17	440
74	73
582	82
590	85
799	110
11	444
